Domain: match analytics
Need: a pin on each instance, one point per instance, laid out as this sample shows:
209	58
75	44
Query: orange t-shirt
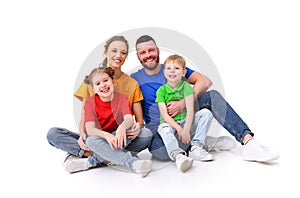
124	85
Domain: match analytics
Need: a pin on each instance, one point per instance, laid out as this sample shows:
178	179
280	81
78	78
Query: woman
79	156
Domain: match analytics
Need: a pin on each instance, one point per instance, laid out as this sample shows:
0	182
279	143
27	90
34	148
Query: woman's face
103	85
116	54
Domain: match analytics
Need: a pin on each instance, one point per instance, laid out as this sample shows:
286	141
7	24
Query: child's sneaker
142	167
183	162
74	164
200	154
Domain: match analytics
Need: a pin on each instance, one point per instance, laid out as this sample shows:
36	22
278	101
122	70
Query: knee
214	94
89	141
92	141
163	128
204	114
51	135
146	135
145	132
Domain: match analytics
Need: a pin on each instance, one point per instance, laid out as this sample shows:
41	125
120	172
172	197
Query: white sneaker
74	164
200	154
222	143
255	152
142	167
183	162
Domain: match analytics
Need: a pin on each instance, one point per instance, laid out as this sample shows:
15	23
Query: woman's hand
134	131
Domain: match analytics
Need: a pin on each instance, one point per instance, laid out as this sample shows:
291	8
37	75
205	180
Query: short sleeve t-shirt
107	115
124	85
167	94
149	84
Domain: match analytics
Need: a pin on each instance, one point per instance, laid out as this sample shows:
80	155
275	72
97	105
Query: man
151	77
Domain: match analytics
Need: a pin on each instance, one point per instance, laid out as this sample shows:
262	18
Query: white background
254	45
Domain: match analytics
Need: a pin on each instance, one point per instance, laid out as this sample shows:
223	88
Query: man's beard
152	67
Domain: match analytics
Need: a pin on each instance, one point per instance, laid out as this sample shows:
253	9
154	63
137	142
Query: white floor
254	45
227	176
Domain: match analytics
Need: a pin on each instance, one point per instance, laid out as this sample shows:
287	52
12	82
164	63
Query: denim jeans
222	112
199	129
66	140
103	151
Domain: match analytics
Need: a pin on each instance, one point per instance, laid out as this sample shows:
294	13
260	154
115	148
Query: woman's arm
138	114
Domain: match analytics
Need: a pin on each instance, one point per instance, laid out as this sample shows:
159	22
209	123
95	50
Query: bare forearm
190	112
138	113
127	122
96	132
201	83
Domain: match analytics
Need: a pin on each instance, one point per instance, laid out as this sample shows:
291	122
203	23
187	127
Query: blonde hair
176	58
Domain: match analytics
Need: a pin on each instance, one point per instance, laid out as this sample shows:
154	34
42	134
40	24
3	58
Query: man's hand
175	107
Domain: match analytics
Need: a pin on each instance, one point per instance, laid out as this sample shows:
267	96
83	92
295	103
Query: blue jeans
66	140
103	151
199	129
224	114
221	111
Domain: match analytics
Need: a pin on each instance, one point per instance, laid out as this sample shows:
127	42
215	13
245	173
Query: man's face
148	54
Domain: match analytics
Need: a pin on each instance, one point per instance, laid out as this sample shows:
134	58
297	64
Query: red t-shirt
107	115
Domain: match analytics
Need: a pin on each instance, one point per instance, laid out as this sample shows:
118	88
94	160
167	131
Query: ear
184	72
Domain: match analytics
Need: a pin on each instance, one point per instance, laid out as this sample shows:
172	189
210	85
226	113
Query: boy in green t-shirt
186	124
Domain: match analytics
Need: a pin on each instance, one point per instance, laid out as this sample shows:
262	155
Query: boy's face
174	71
103	85
148	54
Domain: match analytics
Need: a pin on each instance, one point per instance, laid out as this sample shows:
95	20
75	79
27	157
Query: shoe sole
262	161
186	165
147	166
206	160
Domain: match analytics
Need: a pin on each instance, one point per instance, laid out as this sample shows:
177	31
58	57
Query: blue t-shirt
149	84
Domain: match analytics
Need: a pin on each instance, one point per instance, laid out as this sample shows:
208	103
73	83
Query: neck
118	73
173	85
154	71
108	98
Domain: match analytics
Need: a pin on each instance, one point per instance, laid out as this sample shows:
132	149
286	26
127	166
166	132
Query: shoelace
201	151
217	146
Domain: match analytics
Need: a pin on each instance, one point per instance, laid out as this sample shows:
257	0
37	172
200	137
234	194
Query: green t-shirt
167	94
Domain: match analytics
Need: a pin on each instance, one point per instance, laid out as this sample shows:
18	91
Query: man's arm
201	83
